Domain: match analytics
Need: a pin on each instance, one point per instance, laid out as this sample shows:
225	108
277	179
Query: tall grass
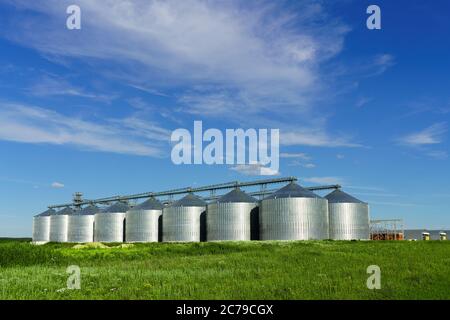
227	270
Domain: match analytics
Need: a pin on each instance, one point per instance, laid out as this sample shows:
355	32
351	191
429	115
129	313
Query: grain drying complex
289	213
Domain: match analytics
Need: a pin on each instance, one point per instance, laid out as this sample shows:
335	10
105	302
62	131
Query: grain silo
110	223
348	217
81	225
142	222
41	226
230	217
59	224
182	219
293	213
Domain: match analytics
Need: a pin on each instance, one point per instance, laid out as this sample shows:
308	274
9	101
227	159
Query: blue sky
92	110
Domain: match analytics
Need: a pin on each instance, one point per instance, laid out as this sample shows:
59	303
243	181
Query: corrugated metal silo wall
108	227
294	219
80	228
41	229
142	225
182	224
58	228
229	221
349	221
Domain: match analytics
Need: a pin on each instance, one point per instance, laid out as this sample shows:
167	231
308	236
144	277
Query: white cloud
226	59
226	42
324	180
434	134
384	61
56	86
438	154
254	170
57	185
394	204
366	188
302	156
299	163
151	91
30	124
315	138
340	156
373	194
362	101
299	160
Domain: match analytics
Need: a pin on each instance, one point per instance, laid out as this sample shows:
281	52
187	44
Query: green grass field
245	270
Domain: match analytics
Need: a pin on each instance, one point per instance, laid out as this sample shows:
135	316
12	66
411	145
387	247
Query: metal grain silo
348	216
142	222
293	213
230	217
109	224
41	226
81	225
182	219
59	224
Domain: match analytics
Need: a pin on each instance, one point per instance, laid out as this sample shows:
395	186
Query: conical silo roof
49	212
88	211
190	200
65	211
235	196
150	204
292	190
338	196
117	207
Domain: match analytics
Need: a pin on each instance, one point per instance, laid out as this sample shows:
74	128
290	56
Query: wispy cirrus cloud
297	163
298	160
438	154
366	188
383	62
315	137
51	85
394	204
431	135
229	60
362	101
31	124
254	170
299	155
324	180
